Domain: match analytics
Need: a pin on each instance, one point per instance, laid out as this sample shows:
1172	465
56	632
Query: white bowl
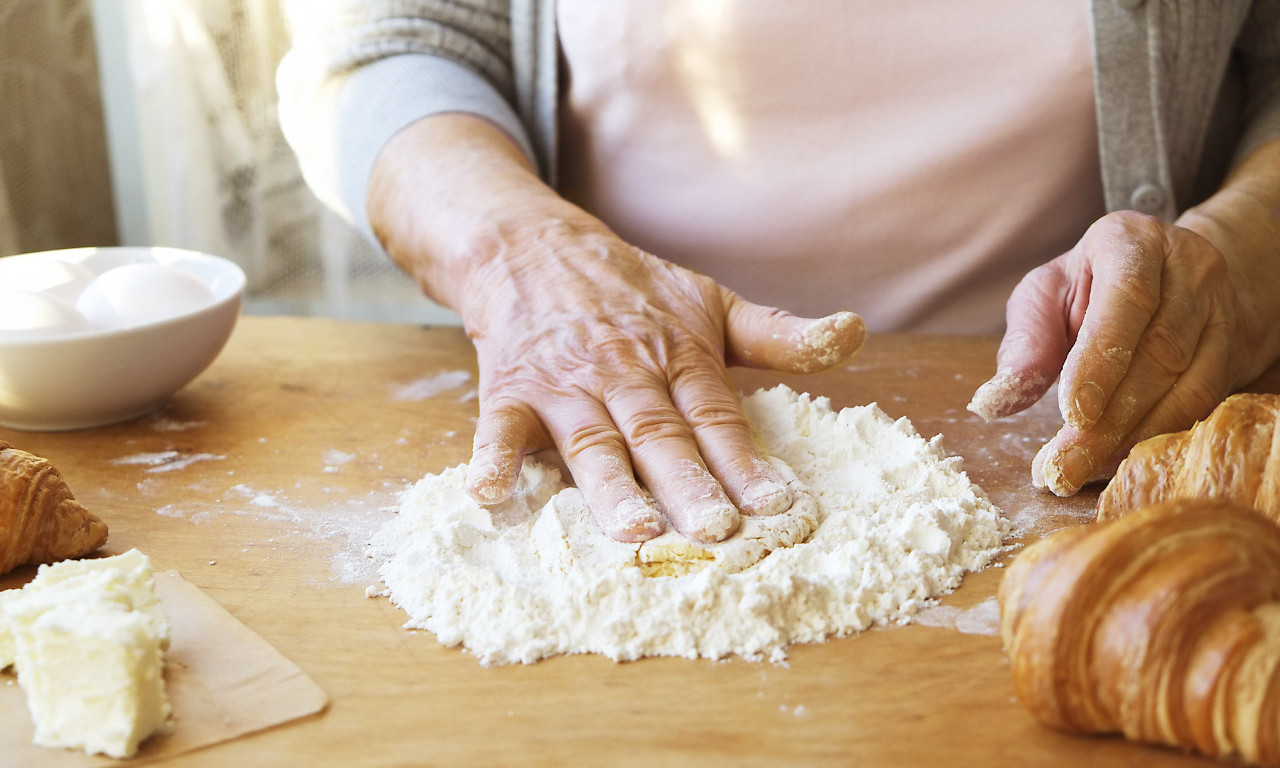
67	377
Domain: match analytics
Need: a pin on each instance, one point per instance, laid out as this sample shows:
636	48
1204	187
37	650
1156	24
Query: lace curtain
197	157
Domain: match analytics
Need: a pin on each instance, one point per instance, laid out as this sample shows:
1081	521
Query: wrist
1242	221
445	193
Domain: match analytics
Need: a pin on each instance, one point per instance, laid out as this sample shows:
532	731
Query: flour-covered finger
667	461
1194	393
619	505
725	441
764	337
1154	398
497	450
1127	257
596	455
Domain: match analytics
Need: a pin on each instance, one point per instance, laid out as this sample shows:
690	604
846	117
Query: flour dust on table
884	521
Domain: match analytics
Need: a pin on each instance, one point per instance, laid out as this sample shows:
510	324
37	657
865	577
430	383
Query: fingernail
485	484
487	474
636	520
765	497
1089	402
487	493
1065	472
710	520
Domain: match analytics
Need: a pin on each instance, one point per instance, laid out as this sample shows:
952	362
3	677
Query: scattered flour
160	424
423	389
897	523
981	619
165	461
334	457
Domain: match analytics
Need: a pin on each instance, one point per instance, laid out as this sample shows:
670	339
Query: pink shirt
910	161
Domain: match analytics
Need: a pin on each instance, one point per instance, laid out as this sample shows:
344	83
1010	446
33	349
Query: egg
139	294
29	315
63	279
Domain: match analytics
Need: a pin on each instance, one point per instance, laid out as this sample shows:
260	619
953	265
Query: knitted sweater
1183	88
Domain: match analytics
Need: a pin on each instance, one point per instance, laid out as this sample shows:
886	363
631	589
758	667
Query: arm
583	342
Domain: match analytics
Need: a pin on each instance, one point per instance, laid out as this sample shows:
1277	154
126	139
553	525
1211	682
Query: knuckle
1167	349
717	414
1138	289
1189	400
617	347
1195	399
591	437
654	424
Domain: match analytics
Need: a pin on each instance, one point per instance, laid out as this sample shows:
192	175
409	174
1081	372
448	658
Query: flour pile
884	521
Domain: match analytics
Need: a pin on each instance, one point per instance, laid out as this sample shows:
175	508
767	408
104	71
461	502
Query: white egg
138	294
63	279
28	315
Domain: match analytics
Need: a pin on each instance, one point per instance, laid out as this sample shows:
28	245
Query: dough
565	532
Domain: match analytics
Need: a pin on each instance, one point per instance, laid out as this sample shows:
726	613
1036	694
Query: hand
618	358
613	356
1151	327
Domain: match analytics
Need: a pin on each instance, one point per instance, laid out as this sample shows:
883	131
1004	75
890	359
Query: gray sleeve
1259	45
359	73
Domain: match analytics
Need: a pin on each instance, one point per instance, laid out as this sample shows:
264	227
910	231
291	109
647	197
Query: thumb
764	337
1035	344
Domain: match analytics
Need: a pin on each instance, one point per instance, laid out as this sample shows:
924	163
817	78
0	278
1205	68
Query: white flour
898	523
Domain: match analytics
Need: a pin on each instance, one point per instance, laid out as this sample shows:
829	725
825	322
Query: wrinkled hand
1150	326
618	359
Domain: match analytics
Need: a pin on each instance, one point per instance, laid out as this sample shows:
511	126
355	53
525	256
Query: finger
1127	258
1034	346
666	459
596	455
726	443
1195	393
497	450
1171	383
763	337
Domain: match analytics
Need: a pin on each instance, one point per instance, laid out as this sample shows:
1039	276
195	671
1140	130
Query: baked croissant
1163	625
1233	455
40	521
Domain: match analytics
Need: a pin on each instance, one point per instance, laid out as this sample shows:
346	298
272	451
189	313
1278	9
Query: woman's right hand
613	356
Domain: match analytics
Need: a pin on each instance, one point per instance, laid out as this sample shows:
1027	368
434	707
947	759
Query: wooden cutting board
260	482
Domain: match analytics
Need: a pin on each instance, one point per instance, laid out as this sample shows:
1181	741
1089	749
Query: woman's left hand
1150	325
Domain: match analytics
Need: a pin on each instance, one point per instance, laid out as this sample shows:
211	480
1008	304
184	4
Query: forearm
444	195
1242	220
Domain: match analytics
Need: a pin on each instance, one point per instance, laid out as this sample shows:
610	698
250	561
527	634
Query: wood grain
261	480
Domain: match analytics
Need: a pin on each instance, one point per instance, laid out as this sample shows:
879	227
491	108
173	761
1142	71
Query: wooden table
261	481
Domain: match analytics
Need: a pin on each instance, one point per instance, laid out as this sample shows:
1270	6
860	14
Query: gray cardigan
1184	88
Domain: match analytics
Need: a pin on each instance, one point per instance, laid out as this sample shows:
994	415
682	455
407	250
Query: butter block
88	641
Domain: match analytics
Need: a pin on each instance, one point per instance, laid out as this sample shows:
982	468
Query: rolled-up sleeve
360	72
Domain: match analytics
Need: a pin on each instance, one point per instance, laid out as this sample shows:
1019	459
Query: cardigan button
1147	198
1129	5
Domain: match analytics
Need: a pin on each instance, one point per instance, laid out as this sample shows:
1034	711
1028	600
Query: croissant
40	521
1234	455
1162	625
